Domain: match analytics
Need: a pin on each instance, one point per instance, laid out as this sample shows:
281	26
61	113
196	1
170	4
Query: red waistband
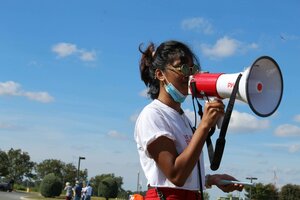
172	194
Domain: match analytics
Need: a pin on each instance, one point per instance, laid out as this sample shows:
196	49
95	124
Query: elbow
178	182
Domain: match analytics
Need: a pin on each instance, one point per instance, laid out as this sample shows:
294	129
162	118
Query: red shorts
172	194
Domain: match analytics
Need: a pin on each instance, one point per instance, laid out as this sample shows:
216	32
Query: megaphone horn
261	86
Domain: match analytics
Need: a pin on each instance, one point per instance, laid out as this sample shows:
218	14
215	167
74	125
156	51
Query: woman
169	150
69	191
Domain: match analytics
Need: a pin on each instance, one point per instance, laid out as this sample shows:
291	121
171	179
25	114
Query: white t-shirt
155	120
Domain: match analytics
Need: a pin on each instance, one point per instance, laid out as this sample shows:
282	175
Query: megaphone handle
220	122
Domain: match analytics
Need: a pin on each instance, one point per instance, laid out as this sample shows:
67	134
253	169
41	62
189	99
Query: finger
217	104
219	110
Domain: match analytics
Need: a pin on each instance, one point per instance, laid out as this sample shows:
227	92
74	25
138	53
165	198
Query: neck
167	99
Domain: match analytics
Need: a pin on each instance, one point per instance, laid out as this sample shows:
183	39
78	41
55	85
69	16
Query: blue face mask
175	94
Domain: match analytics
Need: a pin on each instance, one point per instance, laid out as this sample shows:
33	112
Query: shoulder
156	110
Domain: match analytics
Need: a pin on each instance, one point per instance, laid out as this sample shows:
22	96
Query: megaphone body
261	86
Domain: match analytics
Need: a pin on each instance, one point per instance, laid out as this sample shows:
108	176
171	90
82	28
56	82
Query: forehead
182	60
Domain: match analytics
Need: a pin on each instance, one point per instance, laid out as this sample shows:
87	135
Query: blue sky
70	85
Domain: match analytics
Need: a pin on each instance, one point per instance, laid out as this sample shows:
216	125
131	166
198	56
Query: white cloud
4	125
134	117
239	122
144	93
292	148
198	24
116	135
88	56
297	118
286	130
11	88
64	49
225	47
67	49
43	97
244	122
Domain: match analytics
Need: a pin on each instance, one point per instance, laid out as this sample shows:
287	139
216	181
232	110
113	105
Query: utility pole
138	182
78	169
251	178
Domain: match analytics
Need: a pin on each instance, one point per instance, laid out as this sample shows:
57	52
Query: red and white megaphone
261	86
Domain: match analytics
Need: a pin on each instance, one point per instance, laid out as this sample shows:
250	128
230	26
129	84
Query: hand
213	110
216	178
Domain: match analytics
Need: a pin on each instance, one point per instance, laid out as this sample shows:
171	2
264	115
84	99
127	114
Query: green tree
289	192
19	165
4	163
83	175
66	172
50	166
51	186
108	188
95	181
262	192
69	173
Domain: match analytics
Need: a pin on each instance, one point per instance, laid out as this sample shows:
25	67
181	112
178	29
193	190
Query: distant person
77	190
69	191
83	191
88	191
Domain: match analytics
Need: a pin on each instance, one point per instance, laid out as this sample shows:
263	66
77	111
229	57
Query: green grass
37	196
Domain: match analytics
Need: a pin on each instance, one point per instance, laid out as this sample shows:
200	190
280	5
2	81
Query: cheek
185	92
183	88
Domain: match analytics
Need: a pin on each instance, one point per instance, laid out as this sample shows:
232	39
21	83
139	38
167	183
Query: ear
159	75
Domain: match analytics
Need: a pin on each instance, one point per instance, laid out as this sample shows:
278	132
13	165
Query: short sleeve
151	125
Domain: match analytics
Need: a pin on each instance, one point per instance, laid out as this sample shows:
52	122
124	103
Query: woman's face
176	77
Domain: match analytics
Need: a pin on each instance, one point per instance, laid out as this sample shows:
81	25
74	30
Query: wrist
208	183
204	127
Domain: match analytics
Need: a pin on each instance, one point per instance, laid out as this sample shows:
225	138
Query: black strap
216	156
160	194
199	170
220	143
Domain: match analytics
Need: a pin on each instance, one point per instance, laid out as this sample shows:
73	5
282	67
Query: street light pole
80	158
138	182
251	178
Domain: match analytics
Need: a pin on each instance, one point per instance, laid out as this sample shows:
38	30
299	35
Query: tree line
16	165
270	192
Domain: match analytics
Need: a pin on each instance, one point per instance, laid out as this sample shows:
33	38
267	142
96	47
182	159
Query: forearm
187	160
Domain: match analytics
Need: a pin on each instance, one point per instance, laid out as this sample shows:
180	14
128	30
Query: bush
51	186
108	188
19	187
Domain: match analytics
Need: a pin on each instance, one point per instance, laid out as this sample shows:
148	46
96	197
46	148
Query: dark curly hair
166	53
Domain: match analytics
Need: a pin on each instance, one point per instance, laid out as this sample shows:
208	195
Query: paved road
11	195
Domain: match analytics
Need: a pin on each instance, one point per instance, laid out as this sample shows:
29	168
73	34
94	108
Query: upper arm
164	152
